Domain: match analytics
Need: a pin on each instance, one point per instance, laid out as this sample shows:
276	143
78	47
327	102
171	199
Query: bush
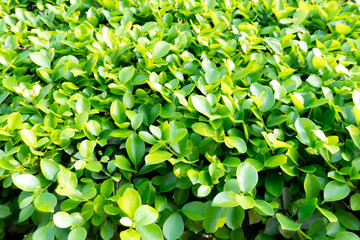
179	119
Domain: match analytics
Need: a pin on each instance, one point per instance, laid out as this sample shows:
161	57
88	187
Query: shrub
179	119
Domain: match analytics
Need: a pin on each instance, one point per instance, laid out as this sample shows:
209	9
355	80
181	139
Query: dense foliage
179	119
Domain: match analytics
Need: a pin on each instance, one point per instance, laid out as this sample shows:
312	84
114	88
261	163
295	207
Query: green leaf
136	121
117	112
45	202
4	211
107	188
348	220
173	227
314	81
299	16
347	236
201	104
78	233
93	127
26	182
161	49
236	142
264	208
274	44
135	148
177	135
225	199
150	232
246	202
276	161
317	62
194	210
67	133
86	148
26	212
126	74
304	128
147	137
156	157
286	223
29	137
44	233
356	98
335	191
355	202
107	230
67	179
235	217
247	177
317	229
329	215
355	135
342	28
274	183
211	76
311	186
14	120
129	202
129	234
39	59
145	215
215	218
123	163
307	210
49	168
62	219
82	105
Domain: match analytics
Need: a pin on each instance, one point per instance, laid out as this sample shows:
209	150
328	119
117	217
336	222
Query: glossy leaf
247	177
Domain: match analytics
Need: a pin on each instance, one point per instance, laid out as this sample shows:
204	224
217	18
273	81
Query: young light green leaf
247	177
40	59
129	202
201	104
236	142
86	148
26	182
225	199
14	120
129	234
274	44
156	157
264	208
356	98
78	233
28	136
145	215
45	202
126	74
161	49
62	219
355	134
150	232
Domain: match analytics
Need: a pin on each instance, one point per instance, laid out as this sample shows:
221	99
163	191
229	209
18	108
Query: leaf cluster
164	119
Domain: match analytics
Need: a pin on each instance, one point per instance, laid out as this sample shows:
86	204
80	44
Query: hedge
187	119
